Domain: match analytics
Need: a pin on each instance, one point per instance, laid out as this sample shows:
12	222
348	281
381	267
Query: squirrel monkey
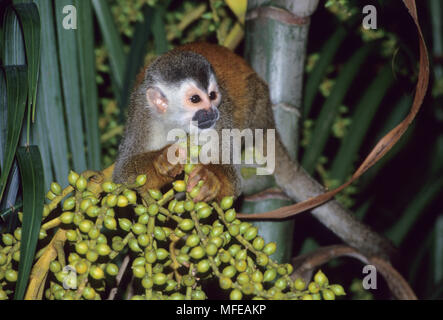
211	86
198	82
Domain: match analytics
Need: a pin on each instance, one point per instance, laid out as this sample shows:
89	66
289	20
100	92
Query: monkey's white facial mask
185	104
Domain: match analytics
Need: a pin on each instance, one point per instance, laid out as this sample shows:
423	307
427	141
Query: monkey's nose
206	118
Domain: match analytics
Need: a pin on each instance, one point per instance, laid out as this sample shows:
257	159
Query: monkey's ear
157	99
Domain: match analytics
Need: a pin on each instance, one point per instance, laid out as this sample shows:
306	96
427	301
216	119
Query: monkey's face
186	103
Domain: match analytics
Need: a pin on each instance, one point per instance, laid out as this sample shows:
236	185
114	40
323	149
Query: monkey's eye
195	99
213	95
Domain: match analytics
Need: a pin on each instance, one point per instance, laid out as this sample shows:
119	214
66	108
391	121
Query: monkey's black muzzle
206	118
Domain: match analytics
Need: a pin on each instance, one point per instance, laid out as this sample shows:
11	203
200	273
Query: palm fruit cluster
173	248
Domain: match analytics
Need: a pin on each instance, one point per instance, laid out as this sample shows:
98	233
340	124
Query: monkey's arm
219	181
154	165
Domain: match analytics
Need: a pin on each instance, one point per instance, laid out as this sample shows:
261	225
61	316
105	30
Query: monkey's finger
195	176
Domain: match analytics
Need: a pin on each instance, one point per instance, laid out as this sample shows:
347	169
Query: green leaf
16	92
438	250
30	22
327	55
14	49
31	170
85	43
427	193
159	31
361	121
329	110
136	56
68	55
112	39
398	113
49	130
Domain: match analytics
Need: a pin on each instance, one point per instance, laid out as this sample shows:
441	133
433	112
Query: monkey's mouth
206	124
206	118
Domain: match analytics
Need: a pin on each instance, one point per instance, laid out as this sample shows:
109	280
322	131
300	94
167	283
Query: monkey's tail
300	186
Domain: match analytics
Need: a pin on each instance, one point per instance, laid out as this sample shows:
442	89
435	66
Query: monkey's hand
219	181
211	183
166	168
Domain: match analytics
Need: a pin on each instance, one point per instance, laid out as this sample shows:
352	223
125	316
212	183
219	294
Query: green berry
72	178
131	196
112	269
110	223
189	205
103	249
269	275
138	271
81	247
147	282
197	253
85	204
138	228
81	184
160	279
133	245
262	259
188	168
159	234
328	294
313	287
56	188
69	204
179	186
89	293
193	240
270	248
55	266
122	201
143	240
11	275
85	226
235	295
151	256
250	233
155	194
321	279
96	272
225	283
186	224
92	256
125	224
204	212
111	200
140	210
230	215
203	266
153	209
226	203
229	271
141	180
162	254
337	289
299	284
